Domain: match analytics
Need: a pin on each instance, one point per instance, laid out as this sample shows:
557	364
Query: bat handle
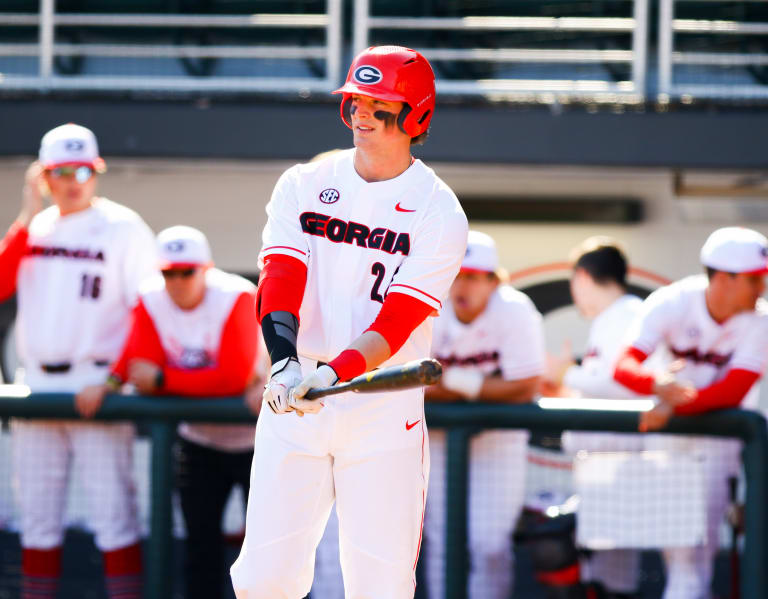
318	392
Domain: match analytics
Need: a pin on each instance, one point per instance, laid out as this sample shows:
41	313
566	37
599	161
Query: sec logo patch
329	196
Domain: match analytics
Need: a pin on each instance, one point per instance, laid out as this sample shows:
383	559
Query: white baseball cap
182	246
736	249
70	144
481	254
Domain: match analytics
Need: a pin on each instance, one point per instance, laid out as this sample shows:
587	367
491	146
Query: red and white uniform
676	318
209	350
507	340
77	278
359	240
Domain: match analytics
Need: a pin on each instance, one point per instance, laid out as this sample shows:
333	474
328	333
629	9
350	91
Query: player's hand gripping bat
417	373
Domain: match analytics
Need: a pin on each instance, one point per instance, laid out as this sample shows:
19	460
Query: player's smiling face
375	121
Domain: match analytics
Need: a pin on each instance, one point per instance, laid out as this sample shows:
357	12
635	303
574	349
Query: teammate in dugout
194	333
76	268
490	341
599	291
717	325
359	250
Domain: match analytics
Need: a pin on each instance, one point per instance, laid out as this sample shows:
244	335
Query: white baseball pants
617	569
369	452
44	452
690	569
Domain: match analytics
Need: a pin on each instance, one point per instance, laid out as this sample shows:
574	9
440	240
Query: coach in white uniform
76	267
490	341
360	248
599	291
717	325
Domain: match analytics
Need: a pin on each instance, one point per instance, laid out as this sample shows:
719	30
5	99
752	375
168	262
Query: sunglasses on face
81	173
183	273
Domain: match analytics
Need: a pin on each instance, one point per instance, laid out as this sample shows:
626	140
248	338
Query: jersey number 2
90	286
379	270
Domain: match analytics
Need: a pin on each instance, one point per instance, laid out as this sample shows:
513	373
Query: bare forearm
440	393
373	347
497	389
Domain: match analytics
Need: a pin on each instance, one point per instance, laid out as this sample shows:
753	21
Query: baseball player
194	332
76	268
599	291
490	341
359	249
717	326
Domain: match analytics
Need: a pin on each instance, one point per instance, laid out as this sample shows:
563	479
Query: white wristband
465	381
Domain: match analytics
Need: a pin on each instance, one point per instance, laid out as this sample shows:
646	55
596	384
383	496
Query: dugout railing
726	43
162	415
171	51
514	50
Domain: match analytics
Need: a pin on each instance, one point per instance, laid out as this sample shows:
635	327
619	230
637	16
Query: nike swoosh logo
401	209
409	426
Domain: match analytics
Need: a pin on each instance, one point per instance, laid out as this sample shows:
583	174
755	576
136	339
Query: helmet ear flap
346	110
402	117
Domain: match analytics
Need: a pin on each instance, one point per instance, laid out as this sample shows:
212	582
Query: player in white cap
194	332
76	268
716	326
490	341
360	248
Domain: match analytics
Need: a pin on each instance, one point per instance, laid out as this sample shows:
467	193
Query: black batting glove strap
280	329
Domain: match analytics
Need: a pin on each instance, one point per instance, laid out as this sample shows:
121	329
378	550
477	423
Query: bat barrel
418	373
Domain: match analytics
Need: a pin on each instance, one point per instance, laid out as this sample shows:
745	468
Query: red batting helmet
395	74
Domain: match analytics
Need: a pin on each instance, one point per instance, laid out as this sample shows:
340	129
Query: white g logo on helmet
367	75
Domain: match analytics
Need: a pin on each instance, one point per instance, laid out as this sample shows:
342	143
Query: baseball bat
417	373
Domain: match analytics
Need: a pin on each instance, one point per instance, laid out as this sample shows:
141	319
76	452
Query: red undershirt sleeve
281	285
142	342
234	367
726	393
630	372
399	316
13	247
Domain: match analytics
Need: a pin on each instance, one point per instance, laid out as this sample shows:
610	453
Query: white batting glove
325	376
464	381
283	376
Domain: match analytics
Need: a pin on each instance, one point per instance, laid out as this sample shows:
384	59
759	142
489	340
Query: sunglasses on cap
183	273
81	173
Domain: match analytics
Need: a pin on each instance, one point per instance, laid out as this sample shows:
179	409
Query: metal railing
669	57
163	414
48	48
634	55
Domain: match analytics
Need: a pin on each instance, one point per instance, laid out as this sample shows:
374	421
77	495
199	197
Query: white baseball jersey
506	339
594	377
360	240
607	338
79	281
191	339
676	317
